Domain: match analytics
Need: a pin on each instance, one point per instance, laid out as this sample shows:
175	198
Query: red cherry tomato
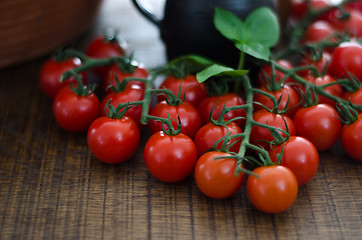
100	48
265	73
354	5
189	116
355	97
318	31
170	158
288	95
130	93
300	156
319	124
351	139
319	64
274	191
352	25
347	57
272	119
231	99
113	140
334	90
210	133
51	72
75	113
195	91
138	72
216	177
299	9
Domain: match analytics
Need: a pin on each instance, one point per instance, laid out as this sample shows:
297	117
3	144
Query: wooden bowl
29	29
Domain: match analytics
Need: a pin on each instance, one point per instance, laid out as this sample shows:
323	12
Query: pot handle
152	18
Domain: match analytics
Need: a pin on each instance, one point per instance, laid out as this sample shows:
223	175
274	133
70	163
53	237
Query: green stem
146	102
249	113
237	85
319	89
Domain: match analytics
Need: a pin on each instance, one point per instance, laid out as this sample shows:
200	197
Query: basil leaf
218	70
229	25
264	26
255	49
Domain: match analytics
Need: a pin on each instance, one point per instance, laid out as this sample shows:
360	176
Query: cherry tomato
319	124
100	48
231	99
75	113
265	73
208	135
137	72
319	64
352	25
130	93
195	91
216	177
189	116
351	139
272	119
299	9
354	5
347	57
170	158
300	156
274	191
355	97
113	140
334	90
318	31
51	72
288	95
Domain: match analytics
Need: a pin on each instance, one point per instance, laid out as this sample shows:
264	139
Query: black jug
187	27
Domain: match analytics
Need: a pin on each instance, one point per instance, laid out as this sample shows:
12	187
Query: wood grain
51	187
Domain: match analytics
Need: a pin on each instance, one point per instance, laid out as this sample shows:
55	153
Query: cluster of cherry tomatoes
298	109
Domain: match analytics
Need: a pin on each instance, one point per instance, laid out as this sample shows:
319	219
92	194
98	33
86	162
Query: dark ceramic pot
187	27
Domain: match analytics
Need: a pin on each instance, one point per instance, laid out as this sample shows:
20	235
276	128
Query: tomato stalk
237	85
318	89
125	63
299	32
80	89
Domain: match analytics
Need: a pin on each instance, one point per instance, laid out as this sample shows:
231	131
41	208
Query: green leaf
229	25
255	36
218	70
255	49
264	26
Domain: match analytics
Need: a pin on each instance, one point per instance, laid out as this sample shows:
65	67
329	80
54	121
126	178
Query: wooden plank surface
51	187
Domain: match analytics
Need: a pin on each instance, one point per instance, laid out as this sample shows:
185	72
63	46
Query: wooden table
51	187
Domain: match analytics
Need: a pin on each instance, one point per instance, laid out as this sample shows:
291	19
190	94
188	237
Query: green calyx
118	112
81	89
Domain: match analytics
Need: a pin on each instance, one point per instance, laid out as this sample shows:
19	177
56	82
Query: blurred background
31	29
